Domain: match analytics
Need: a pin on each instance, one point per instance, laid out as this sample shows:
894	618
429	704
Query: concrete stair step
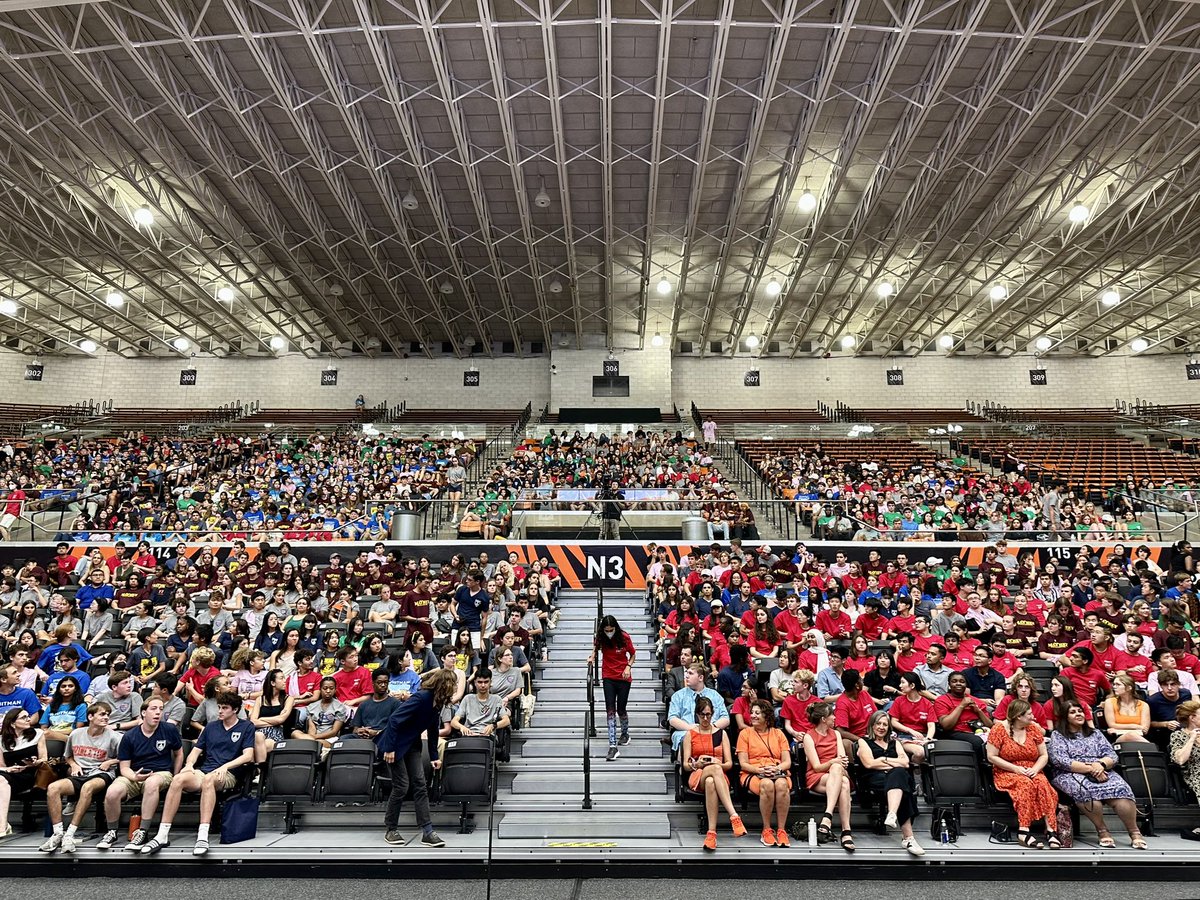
578	675
602	782
563	748
567	691
574	719
591	825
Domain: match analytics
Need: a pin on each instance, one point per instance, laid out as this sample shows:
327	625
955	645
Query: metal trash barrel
406	525
695	529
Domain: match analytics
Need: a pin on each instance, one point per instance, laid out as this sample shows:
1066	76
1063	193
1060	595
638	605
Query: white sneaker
52	843
68	843
106	842
891	822
911	845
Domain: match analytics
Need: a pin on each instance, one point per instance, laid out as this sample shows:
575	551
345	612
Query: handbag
528	702
1064	827
45	776
1001	833
239	820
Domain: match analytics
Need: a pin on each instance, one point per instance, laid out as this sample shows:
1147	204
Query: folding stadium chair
951	774
291	776
468	775
1042	671
1148	771
348	773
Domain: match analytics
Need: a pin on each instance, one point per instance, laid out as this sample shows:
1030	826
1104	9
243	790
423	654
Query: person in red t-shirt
834	623
203	670
1002	660
871	624
791	624
353	680
795	706
1088	680
1023	687
957	657
959	714
853	708
1105	655
913	717
907	659
1135	665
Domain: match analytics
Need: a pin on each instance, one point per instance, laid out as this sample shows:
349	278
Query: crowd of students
110	665
563	471
1089	651
341	486
851	497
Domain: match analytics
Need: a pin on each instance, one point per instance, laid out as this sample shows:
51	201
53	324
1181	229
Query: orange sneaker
781	839
739	828
768	838
710	841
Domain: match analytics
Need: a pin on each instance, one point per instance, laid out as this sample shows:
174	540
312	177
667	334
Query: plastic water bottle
812	832
945	834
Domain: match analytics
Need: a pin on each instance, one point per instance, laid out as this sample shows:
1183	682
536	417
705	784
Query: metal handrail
589	716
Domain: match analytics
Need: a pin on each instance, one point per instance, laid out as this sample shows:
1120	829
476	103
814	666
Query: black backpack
945	819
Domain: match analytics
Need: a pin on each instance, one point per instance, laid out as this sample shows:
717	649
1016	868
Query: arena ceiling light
226	294
885	289
1111	297
143	216
88	346
664	286
1079	213
8	306
1043	343
115	299
946	341
752	341
807	202
774	287
279	343
181	344
1139	345
998	292
848	342
657	340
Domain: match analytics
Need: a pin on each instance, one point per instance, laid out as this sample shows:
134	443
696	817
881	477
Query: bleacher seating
474	415
894	453
759	416
1091	465
316	418
912	416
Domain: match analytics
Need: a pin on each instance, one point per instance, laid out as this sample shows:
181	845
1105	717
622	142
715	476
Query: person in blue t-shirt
68	666
224	745
150	755
13	696
471	603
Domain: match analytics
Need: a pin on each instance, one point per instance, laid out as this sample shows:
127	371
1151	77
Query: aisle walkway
630	796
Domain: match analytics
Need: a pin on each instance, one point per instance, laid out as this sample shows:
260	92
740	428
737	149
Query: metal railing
589	715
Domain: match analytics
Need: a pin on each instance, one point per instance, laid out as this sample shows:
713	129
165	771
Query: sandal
824	831
1106	840
1028	841
1136	841
1053	842
848	841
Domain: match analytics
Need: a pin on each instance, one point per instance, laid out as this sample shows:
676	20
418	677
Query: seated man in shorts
92	763
150	756
225	744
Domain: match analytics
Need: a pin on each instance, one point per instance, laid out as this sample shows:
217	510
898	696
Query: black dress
884	780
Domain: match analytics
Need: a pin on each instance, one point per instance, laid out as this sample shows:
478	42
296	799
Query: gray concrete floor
606	889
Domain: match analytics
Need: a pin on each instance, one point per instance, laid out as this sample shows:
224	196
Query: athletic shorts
78	781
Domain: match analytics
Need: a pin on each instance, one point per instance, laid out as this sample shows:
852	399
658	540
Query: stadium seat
952	778
291	776
468	775
348	772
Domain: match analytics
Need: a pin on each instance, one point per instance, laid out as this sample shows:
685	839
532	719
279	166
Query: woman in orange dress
707	761
766	764
1016	748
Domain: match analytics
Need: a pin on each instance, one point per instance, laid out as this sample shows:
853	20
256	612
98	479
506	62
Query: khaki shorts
227	781
135	789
